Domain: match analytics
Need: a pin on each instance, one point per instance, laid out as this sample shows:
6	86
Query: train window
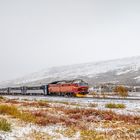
82	84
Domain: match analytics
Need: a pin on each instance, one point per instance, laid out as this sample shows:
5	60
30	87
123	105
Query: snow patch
137	78
122	72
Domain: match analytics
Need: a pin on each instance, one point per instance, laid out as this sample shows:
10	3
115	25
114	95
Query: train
70	88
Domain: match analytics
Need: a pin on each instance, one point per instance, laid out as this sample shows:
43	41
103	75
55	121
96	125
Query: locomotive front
82	88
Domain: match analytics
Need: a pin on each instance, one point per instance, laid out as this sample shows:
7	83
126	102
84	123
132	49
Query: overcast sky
36	34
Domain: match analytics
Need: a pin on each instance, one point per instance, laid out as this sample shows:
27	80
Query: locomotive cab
82	89
83	84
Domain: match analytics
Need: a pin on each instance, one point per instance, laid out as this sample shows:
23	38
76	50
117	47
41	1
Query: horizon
58	66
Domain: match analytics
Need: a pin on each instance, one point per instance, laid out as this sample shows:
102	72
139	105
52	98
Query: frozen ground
19	132
134	94
132	106
59	118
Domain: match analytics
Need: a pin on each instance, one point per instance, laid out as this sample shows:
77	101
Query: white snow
122	72
138	78
19	132
22	130
121	66
132	106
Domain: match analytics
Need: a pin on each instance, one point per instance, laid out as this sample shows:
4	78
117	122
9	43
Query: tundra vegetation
113	105
121	91
4	125
77	122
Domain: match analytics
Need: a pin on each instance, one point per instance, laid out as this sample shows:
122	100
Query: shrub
121	91
36	104
90	135
12	101
47	120
93	93
2	98
75	116
30	104
4	125
112	105
100	114
43	104
39	113
68	132
41	121
27	117
14	112
10	110
25	99
37	135
92	105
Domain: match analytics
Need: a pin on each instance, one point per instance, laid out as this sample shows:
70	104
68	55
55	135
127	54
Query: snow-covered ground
24	131
134	95
67	114
132	106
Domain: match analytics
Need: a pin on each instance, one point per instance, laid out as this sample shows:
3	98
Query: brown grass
90	134
103	115
12	101
2	98
93	105
80	119
36	104
36	135
4	125
72	117
14	112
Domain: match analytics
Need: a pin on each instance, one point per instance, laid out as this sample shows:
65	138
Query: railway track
113	98
98	98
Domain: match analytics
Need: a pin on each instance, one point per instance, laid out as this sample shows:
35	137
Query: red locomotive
68	88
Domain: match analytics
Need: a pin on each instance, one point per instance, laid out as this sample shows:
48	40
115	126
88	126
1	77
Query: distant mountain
122	71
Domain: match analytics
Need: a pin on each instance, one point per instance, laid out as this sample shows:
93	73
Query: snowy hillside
126	71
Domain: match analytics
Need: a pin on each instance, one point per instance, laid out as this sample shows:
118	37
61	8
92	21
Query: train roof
67	81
